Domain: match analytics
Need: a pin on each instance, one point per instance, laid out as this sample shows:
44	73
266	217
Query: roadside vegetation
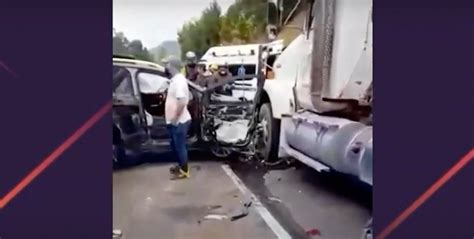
122	46
244	22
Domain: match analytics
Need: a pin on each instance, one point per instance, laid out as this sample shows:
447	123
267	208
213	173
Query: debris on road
243	213
214	207
215	217
313	232
263	162
275	199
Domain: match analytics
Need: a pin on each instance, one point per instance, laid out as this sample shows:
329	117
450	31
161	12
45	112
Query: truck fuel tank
343	145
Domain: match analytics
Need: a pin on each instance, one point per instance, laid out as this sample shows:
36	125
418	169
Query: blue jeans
178	134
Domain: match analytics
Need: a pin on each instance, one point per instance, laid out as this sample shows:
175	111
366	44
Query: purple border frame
61	52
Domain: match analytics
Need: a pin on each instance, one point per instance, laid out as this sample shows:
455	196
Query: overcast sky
154	21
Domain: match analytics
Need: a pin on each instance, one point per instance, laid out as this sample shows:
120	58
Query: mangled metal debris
215	217
275	199
229	120
232	131
243	213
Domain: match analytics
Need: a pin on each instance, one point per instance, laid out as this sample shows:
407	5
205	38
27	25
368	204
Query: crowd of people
207	77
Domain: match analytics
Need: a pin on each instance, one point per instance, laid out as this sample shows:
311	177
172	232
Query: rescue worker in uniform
190	71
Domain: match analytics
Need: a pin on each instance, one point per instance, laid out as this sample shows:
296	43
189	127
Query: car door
153	88
126	108
218	108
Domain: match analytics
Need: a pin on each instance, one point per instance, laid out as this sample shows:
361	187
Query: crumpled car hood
232	131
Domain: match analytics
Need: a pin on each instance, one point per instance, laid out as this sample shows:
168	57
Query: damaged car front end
230	123
224	111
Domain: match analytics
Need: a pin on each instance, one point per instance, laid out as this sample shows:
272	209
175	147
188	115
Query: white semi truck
316	105
321	96
320	99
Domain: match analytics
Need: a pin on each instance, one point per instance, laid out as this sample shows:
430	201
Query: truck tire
271	133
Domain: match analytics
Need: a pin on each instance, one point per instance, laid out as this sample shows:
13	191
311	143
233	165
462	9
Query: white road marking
274	225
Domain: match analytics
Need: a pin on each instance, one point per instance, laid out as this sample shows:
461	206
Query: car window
122	81
247	69
150	83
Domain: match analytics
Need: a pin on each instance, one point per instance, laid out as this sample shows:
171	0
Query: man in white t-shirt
178	118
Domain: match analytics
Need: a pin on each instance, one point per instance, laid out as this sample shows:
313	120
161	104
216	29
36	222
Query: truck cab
321	96
322	93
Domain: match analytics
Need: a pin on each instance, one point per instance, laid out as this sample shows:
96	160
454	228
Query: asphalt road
148	205
303	200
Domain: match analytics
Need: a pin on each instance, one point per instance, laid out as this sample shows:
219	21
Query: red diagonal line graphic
4	66
427	194
55	154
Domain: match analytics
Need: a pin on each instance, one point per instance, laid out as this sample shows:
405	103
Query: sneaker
181	175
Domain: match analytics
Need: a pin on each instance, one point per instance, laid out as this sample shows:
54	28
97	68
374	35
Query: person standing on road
191	69
178	118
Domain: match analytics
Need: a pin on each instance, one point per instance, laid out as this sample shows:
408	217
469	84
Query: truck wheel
270	137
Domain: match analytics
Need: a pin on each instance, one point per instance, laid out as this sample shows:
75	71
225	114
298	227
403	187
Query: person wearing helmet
214	68
205	78
190	70
220	74
209	76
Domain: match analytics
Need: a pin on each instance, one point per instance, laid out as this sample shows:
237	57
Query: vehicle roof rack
130	57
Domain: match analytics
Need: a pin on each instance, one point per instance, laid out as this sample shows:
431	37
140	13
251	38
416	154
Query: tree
244	22
122	46
245	28
226	30
120	43
203	33
136	49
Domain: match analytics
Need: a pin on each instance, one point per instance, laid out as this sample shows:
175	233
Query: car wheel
269	138
120	157
220	152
